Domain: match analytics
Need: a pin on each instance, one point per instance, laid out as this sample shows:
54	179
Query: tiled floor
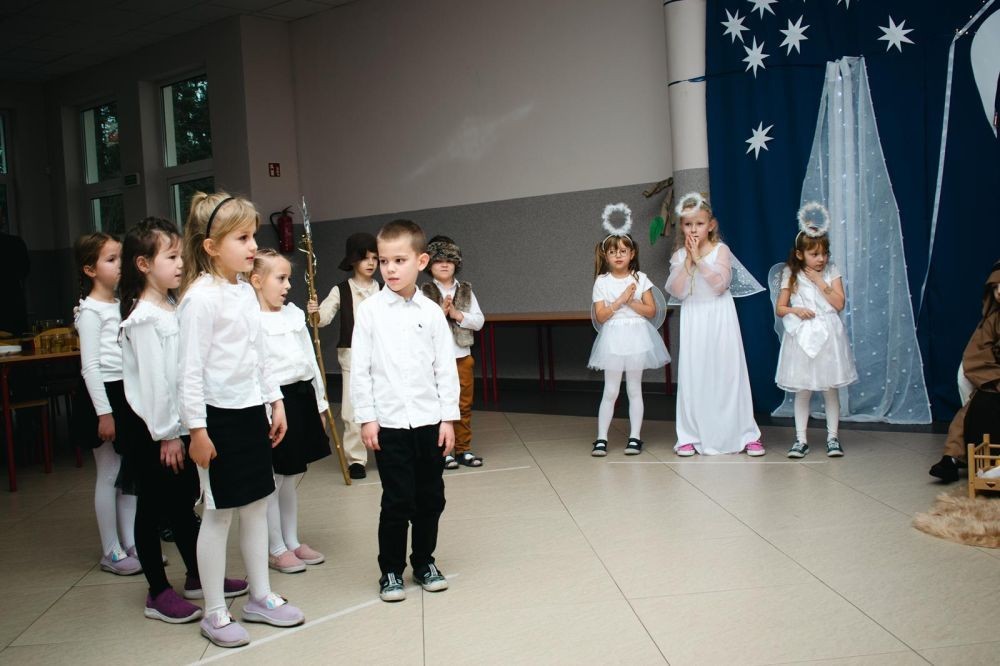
557	557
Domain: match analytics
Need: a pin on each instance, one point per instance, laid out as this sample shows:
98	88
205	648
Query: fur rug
973	522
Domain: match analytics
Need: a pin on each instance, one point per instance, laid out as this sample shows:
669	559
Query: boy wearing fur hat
361	258
464	317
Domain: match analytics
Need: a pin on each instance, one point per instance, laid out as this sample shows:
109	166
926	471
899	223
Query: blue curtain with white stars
765	68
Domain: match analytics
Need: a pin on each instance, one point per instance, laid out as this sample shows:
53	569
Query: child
290	354
404	388
815	353
628	343
461	309
98	257
981	366
223	385
714	405
156	462
361	257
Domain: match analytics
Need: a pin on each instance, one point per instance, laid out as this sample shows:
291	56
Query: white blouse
472	320
290	354
150	338
608	288
221	352
403	371
331	304
100	355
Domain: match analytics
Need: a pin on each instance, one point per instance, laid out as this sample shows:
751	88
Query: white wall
407	105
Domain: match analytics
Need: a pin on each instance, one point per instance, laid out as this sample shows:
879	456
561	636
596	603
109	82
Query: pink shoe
685	450
308	555
120	563
221	630
287	562
273	610
231	587
755	449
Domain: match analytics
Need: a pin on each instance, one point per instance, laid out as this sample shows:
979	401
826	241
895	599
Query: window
187	131
102	159
181	193
108	214
102	168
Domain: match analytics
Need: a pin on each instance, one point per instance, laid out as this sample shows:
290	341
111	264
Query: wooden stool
983	457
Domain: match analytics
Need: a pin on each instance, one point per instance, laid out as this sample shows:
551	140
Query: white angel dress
815	353
714	403
627	341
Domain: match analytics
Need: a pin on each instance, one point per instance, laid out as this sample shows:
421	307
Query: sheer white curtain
847	173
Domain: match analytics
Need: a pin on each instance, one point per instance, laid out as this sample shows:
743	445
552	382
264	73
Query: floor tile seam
812	573
816	469
50	606
853	656
958	645
590	545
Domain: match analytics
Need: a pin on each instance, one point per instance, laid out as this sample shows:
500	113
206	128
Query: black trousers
983	417
412	467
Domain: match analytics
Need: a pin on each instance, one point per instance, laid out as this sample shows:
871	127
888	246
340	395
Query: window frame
114	186
7	176
180	173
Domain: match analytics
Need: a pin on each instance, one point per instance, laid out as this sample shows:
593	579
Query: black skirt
306	441
129	430
83	424
142	471
241	471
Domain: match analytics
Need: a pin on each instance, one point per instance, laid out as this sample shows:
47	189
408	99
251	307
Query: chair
57	381
42	404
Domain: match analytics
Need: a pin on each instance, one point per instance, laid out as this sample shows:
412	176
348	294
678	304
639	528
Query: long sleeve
718	274
329	307
979	361
157	406
195	315
362	383
445	370
270	389
678	281
474	318
88	324
318	380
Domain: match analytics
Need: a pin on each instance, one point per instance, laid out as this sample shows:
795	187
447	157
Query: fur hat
442	248
357	248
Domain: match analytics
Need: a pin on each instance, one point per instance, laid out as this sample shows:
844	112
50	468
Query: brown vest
462	301
346	315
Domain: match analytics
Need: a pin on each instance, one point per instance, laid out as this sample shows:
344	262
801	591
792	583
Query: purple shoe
273	610
221	630
231	587
169	607
119	563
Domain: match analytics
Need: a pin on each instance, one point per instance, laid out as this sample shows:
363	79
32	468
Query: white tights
115	510
612	384
212	552
832	398
283	515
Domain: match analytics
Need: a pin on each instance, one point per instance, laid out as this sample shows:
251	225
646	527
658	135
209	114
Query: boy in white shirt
404	388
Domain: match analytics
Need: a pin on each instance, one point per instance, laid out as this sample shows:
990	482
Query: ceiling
46	39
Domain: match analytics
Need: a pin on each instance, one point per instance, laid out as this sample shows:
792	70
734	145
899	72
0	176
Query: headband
814	219
690	203
208	227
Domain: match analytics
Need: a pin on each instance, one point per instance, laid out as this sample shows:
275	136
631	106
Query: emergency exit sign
274	169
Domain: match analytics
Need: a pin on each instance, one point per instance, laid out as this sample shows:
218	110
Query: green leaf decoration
656	228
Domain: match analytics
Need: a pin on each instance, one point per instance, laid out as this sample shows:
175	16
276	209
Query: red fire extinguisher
283	228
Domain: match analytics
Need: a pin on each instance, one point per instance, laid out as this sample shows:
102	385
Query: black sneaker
391	587
634	447
431	579
833	448
600	448
799	450
946	469
357	471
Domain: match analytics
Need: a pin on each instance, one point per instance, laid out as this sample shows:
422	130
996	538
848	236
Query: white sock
275	542
633	386
832	397
125	505
802	414
289	504
612	383
105	496
253	545
212	557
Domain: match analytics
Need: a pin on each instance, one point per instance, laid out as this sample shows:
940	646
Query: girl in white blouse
289	352
156	463
98	257
223	385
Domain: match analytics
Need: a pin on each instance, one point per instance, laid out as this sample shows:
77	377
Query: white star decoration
755	57
734	26
847	3
895	35
759	139
794	35
761	5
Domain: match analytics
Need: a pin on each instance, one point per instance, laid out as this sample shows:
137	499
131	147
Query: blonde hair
714	236
263	261
231	213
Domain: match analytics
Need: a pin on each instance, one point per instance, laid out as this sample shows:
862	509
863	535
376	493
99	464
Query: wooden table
6	362
543	322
